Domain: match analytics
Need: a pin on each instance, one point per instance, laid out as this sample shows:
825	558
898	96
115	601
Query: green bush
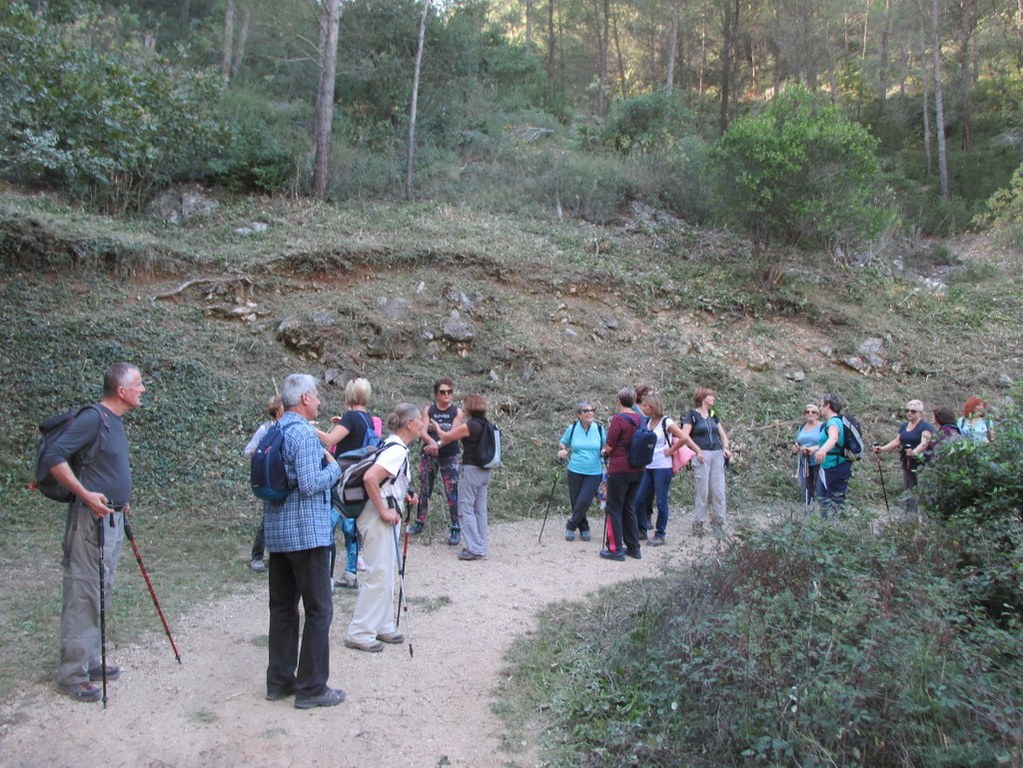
266	144
644	122
1005	211
799	173
804	645
98	124
976	491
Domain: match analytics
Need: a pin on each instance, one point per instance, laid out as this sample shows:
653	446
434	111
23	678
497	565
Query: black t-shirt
471	454
704	430
446	420
357	423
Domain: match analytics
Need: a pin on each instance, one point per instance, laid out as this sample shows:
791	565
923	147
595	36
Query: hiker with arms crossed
102	492
298	535
437	458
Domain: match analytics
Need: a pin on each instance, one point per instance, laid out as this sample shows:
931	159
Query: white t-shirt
660	461
396	463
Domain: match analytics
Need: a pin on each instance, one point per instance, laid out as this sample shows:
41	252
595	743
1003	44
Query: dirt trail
430	710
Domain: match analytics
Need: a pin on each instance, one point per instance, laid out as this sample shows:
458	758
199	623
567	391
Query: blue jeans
831	485
657	482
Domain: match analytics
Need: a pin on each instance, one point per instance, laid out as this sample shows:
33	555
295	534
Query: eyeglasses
912	410
811	411
586	410
445	391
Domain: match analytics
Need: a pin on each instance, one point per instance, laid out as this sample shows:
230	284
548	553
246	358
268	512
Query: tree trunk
239	45
185	14
939	100
552	52
967	25
228	43
623	87
669	83
411	149
324	120
727	50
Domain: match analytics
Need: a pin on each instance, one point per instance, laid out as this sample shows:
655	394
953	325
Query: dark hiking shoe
642	536
81	691
96	673
394	638
455	538
331	697
584	535
277	695
569	535
635	554
375	646
608	554
467	555
658	541
416	528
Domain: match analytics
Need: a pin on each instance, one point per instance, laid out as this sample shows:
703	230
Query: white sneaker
360	564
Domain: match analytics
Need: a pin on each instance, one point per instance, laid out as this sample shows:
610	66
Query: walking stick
804	476
550	498
129	534
884	490
101	542
402	600
403	557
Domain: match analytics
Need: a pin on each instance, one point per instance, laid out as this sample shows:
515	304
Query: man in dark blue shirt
102	492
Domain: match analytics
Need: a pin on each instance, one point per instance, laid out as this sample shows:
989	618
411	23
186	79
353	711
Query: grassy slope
559	311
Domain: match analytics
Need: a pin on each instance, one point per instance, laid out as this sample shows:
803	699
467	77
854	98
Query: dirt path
430	710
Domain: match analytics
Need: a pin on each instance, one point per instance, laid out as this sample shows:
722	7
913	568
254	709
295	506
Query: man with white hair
299	536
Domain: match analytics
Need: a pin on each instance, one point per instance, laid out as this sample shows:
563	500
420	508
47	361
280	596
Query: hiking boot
455	537
642	536
609	554
467	555
698	529
330	697
96	673
372	647
416	528
658	541
394	638
348	580
569	535
278	694
258	566
635	554
80	691
584	535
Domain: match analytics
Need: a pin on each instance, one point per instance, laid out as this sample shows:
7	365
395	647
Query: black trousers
623	524
294	576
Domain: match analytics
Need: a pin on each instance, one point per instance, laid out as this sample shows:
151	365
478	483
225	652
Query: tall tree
939	98
330	19
411	148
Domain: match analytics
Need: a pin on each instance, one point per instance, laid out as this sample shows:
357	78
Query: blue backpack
641	445
266	469
371	441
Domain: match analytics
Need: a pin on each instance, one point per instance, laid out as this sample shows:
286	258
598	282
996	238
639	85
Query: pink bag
680	458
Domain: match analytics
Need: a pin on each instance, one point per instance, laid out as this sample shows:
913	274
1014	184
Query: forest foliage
565	107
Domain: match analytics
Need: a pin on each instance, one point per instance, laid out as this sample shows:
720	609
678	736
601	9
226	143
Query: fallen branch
210	281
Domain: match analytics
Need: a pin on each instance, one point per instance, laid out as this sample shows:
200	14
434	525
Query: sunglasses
445	391
912	410
586	410
811	411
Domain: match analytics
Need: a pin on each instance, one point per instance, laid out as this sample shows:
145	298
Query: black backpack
267	475
51	430
489	450
642	445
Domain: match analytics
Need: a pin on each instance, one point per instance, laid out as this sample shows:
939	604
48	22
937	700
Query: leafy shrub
594	187
807	645
96	123
1005	211
977	492
644	122
800	172
266	143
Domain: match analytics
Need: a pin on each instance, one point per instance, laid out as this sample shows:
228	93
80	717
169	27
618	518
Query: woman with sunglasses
911	442
807	441
584	440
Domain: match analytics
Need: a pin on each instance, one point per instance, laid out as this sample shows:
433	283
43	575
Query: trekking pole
546	511
401	569
129	534
101	543
402	599
884	490
804	475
